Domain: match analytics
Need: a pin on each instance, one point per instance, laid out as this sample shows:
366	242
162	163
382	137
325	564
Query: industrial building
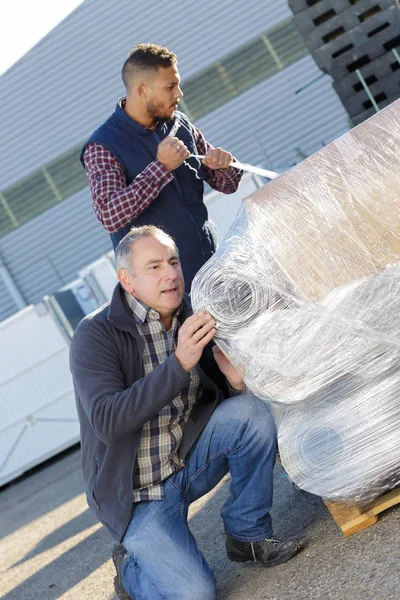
249	84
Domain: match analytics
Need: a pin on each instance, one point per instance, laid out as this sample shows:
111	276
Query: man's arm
223	180
194	335
115	203
113	409
233	376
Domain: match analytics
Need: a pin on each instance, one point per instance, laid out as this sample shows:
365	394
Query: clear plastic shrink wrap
305	290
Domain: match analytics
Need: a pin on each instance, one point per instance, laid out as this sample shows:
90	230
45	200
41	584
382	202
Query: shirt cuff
232	392
157	171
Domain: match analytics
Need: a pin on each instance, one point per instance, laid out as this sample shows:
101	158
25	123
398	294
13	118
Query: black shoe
118	555
268	552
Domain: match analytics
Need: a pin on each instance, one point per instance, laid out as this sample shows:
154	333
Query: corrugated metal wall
65	86
7	304
54	97
47	252
267	123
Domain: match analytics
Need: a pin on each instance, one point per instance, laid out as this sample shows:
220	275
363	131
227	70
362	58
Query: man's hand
193	336
172	152
226	367
217	158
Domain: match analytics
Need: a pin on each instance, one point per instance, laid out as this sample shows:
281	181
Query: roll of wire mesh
305	291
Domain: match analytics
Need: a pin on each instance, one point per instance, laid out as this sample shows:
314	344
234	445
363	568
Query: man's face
163	93
156	276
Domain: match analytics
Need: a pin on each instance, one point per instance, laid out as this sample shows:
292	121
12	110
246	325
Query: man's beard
154	110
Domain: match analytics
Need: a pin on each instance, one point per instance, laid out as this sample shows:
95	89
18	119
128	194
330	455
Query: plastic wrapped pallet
305	290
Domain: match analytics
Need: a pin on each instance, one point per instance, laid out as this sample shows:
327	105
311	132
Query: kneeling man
163	417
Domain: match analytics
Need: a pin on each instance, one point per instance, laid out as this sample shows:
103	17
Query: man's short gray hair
123	252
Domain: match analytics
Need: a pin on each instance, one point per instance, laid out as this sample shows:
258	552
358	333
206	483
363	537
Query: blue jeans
163	559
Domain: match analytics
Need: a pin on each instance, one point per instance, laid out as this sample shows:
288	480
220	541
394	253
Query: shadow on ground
61	481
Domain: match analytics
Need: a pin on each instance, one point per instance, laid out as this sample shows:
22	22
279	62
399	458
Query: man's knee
200	585
204	591
249	408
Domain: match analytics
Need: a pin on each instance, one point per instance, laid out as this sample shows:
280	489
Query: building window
242	69
30	197
67	174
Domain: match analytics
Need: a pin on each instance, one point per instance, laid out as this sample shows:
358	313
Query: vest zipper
180	196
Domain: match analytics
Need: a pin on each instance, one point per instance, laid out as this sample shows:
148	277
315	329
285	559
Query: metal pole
366	88
304	87
396	54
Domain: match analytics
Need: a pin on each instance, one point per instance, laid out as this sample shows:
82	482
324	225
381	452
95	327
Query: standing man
139	166
163	418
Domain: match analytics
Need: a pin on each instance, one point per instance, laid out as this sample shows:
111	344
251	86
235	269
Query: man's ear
126	280
141	91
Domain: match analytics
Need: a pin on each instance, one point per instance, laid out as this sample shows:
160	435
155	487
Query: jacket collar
129	123
120	315
132	125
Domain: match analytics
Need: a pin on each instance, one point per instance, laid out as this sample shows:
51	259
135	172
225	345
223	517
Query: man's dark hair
146	57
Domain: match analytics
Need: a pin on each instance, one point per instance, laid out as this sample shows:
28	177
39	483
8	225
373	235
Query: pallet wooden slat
352	518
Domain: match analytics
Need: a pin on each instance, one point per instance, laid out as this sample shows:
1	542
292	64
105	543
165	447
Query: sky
24	23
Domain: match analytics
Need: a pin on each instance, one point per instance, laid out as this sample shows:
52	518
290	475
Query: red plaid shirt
116	204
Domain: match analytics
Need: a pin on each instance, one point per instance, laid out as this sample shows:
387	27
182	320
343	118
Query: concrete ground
52	548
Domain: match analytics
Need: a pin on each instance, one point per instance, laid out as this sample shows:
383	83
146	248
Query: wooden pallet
352	518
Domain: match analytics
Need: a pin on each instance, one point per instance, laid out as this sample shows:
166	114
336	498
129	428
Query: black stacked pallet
352	37
382	76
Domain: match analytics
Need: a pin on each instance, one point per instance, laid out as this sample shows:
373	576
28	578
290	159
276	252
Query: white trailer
36	402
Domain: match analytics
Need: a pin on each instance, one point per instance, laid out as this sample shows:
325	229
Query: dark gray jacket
114	399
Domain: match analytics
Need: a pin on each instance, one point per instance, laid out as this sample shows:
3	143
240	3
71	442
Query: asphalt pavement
52	547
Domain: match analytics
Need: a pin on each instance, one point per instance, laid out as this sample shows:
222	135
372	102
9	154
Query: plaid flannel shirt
157	456
116	204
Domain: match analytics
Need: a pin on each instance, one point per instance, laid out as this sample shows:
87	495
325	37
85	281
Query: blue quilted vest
179	208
